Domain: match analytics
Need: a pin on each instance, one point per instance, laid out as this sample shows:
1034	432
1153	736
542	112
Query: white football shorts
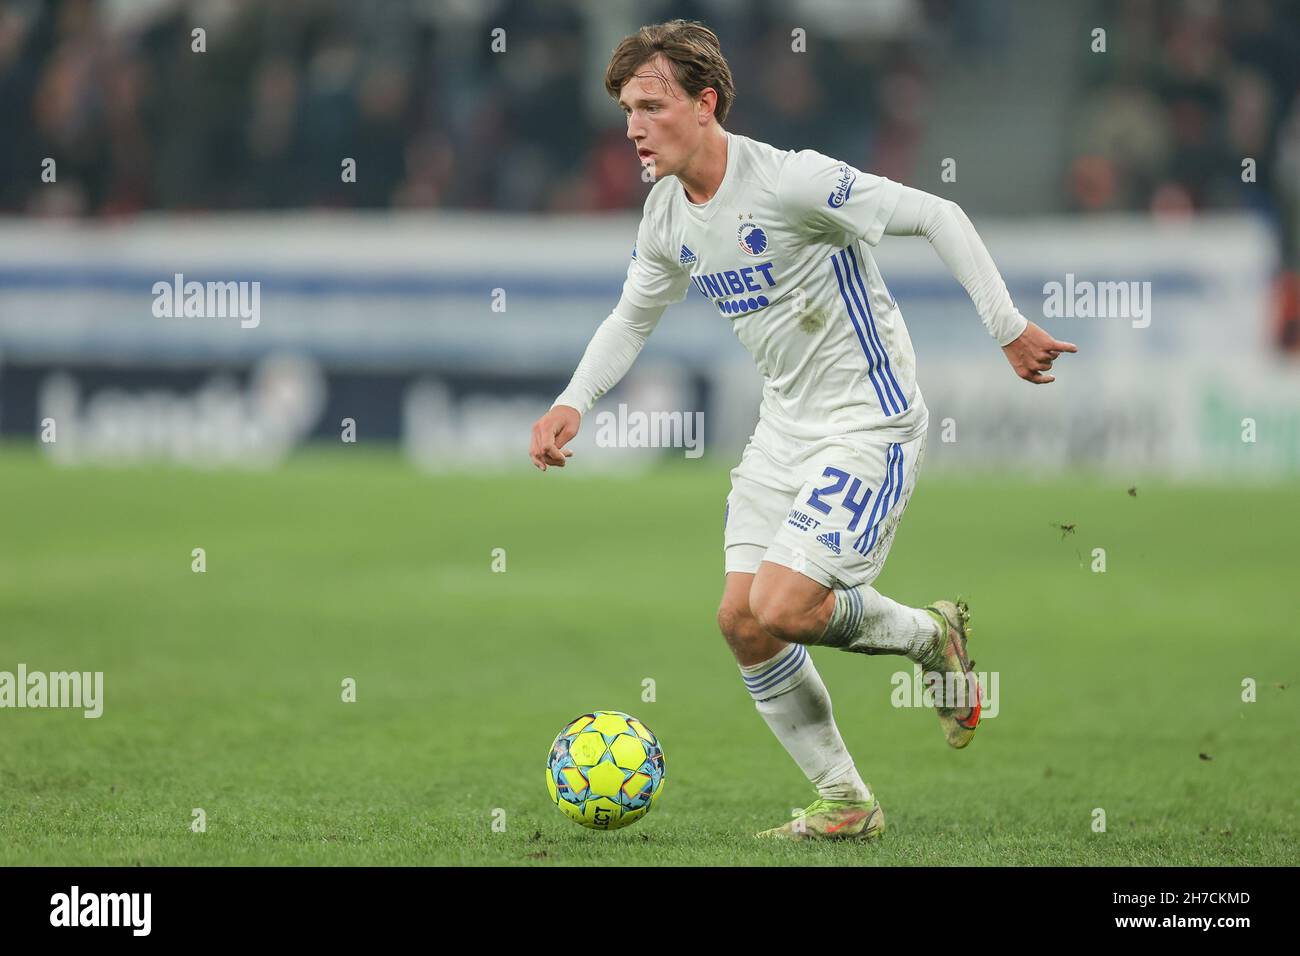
828	509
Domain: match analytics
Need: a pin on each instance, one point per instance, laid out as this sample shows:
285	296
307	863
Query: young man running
779	241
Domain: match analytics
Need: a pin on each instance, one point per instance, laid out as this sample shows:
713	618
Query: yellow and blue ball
605	770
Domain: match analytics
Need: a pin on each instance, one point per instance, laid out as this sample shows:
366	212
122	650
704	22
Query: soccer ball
605	770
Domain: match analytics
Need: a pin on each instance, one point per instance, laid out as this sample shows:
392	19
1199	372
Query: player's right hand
551	433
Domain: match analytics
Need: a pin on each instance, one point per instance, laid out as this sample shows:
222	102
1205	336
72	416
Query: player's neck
703	175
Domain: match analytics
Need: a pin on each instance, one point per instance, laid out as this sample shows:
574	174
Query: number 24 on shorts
855	506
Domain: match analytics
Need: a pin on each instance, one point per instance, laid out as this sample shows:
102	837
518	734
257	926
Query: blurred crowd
414	92
1196	106
1187	93
136	119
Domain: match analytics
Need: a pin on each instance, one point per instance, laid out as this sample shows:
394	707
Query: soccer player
779	241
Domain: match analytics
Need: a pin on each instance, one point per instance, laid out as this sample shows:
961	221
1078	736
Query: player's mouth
645	154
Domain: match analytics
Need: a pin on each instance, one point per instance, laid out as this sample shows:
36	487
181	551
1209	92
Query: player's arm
609	355
654	281
832	199
1029	348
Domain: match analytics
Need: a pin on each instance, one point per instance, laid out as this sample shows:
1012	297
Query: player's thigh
841	524
761	490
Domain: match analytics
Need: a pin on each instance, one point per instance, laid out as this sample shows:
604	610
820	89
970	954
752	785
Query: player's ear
708	100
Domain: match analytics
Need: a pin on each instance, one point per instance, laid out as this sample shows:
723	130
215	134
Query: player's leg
792	606
814	585
790	696
780	677
793	701
749	643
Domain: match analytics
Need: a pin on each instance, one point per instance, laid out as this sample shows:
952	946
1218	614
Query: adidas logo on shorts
831	539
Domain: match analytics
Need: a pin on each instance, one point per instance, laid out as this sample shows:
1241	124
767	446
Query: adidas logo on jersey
832	541
687	257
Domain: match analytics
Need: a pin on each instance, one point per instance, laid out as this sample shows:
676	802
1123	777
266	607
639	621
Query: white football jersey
782	252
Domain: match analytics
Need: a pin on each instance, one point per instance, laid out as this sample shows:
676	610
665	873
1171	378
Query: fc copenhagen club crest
752	238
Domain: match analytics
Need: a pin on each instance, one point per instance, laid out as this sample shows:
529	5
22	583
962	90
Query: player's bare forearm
1033	353
551	433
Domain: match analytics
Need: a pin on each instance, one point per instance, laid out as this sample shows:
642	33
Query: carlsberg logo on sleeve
840	194
102	909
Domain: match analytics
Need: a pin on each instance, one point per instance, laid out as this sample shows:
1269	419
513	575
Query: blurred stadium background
442	299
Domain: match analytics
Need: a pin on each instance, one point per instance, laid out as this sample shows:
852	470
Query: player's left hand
1034	352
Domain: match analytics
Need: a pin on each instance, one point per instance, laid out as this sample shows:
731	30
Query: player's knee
778	618
735	622
748	642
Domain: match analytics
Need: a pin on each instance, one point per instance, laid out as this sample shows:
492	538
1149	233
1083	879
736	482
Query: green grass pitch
223	689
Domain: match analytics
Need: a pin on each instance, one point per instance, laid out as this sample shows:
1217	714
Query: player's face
663	122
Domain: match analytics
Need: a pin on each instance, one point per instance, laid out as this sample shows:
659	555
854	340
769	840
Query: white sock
867	622
789	693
